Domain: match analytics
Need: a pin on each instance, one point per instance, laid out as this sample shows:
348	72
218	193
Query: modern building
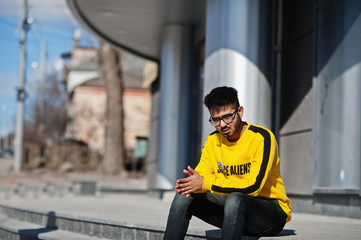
296	65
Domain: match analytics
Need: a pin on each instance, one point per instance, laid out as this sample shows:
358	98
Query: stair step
18	230
61	225
38	190
85	223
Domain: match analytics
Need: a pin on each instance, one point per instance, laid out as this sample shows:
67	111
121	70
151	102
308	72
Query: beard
226	131
232	129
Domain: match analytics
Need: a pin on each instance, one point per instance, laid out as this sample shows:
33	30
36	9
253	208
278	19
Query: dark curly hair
220	97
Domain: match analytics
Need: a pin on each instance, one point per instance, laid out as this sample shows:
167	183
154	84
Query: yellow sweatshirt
249	165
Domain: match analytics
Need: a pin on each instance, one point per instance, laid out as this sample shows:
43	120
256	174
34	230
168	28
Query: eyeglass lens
228	118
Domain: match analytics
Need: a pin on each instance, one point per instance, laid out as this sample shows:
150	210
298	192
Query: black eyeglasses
228	118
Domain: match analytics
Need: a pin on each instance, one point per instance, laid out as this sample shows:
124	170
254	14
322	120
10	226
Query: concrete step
16	222
35	190
76	188
39	190
139	216
13	229
35	224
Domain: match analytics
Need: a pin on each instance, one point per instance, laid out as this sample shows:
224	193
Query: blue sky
53	23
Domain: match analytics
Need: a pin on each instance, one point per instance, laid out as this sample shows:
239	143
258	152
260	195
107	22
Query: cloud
11	10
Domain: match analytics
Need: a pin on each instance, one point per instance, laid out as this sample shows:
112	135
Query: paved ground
43	175
140	209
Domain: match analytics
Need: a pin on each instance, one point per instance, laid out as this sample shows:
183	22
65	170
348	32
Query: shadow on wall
306	56
336	21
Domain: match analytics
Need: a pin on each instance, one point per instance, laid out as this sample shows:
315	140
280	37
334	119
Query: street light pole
19	131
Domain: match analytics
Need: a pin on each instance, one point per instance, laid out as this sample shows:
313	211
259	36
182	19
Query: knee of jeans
181	202
235	201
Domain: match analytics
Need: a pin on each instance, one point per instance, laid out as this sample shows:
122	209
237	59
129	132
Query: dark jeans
237	214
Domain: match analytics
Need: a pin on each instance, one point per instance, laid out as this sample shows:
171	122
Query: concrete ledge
85	226
77	188
20	230
139	216
328	204
36	190
43	221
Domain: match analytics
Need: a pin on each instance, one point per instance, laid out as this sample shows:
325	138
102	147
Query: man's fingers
183	180
180	186
184	185
187	172
191	170
184	188
190	184
187	192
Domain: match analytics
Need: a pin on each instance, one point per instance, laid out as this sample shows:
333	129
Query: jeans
237	214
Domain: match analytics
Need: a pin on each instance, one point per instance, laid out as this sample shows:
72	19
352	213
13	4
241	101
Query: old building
87	100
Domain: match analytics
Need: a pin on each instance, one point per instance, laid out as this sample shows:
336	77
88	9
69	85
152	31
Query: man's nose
223	123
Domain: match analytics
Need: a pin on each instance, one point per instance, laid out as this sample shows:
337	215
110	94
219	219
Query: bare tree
114	156
49	115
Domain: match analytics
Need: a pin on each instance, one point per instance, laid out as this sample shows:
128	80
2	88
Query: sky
53	23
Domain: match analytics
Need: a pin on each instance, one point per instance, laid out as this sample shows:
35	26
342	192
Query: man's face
231	130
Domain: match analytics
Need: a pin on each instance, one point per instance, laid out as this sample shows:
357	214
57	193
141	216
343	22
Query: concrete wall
337	98
320	106
296	95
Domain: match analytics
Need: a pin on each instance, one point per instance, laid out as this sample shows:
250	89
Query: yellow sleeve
205	168
265	156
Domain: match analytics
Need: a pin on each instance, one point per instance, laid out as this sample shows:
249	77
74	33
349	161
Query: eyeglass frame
222	119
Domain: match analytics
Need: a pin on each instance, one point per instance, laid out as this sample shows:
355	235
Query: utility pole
19	130
41	119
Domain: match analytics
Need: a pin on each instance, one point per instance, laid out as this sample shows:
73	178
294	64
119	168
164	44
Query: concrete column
237	55
175	90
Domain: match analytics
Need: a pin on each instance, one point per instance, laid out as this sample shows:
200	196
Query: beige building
87	109
87	100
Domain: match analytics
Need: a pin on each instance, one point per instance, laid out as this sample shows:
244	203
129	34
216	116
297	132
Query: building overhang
136	25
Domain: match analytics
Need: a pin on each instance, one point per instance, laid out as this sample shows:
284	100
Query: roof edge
78	14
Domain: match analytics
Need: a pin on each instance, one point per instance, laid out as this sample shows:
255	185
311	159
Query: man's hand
193	183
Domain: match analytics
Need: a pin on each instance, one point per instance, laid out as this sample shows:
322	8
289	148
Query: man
237	184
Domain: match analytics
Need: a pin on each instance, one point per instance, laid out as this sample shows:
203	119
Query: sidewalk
120	206
145	212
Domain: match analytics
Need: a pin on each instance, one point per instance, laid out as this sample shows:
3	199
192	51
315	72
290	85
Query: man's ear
240	111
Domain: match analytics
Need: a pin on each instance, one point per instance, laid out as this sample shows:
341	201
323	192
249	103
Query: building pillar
175	94
238	55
